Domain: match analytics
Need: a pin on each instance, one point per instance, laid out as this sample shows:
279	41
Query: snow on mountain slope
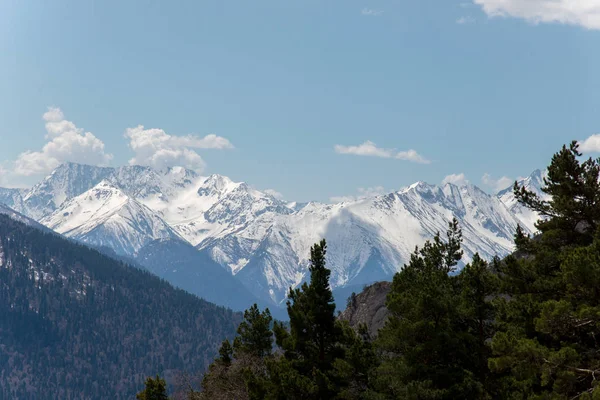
210	207
534	183
261	240
12	198
369	239
151	186
66	181
4	209
106	216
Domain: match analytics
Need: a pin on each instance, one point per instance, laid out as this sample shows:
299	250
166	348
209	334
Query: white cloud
591	144
154	147
371	12
584	13
465	20
372	191
456	179
412	155
66	142
274	193
369	148
496	184
363	193
342	199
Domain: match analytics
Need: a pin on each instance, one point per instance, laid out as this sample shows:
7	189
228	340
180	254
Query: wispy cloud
274	193
156	148
363	193
496	184
370	149
65	142
591	144
465	20
456	179
369	12
585	13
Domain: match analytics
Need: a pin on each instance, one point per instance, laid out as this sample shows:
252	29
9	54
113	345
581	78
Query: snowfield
265	242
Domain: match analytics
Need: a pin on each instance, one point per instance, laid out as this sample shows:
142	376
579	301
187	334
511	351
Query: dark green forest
522	327
75	324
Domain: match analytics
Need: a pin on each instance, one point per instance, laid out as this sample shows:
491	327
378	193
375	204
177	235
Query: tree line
522	327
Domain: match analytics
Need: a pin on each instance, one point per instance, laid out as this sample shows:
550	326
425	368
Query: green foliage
255	336
156	389
240	368
314	336
433	344
549	312
75	324
225	352
573	211
525	327
356	369
314	339
318	357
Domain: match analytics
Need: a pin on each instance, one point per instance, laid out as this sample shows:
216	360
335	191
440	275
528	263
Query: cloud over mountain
497	184
66	142
369	148
456	179
155	148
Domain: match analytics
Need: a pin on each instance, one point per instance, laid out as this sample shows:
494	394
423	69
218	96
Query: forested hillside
75	324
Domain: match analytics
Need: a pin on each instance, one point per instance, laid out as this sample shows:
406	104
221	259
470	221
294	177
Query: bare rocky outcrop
368	307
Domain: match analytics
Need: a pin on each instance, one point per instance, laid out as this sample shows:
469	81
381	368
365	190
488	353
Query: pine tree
314	340
427	343
225	353
549	313
255	336
572	214
355	371
478	284
156	389
240	369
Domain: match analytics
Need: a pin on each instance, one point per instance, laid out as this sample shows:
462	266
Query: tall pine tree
155	389
314	338
432	344
549	312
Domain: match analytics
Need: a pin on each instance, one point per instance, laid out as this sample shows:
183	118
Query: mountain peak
105	184
417	186
216	182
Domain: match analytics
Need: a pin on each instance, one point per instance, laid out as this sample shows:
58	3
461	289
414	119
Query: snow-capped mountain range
260	240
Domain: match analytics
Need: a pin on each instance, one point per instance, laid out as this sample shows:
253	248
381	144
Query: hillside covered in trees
75	324
524	327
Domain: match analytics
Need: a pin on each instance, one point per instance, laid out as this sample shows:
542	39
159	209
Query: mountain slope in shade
182	265
12	198
534	183
75	324
106	216
12	214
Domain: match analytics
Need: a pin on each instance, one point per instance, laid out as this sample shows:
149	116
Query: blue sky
312	99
